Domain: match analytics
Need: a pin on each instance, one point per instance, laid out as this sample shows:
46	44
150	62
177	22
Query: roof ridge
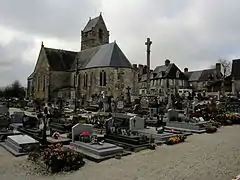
55	49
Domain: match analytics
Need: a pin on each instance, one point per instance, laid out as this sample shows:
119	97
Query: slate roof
91	23
163	68
107	55
60	60
169	72
202	75
236	69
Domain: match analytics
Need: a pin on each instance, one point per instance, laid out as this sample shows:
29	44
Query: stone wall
118	79
40	77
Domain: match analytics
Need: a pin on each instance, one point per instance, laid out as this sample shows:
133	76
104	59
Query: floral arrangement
175	140
211	129
56	135
237	177
58	159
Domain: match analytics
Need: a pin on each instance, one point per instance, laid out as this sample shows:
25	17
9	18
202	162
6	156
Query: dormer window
177	74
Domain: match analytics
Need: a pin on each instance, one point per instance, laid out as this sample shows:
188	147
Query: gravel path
202	157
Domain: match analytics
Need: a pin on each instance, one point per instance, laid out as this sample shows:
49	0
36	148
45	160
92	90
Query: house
166	79
205	80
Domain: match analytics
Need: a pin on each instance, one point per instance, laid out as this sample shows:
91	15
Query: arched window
79	81
85	80
38	83
44	82
101	83
100	34
91	79
103	78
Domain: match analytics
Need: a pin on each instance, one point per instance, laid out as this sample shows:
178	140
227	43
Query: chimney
185	70
134	66
145	69
218	68
167	62
140	67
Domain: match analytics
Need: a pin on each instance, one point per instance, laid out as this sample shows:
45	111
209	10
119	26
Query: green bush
211	129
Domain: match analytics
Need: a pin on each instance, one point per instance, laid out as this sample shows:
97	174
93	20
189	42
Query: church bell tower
94	34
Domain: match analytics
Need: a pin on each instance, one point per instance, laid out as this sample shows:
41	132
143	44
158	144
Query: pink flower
71	147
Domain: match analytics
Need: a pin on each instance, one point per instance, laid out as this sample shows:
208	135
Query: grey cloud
55	18
12	65
192	33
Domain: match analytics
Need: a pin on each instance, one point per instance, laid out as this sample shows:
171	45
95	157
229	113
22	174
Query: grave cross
148	43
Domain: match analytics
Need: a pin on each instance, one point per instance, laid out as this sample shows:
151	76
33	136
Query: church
99	66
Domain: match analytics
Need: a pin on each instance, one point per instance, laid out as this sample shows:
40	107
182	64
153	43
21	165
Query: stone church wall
118	79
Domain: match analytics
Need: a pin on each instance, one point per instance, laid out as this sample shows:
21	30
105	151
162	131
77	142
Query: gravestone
94	151
20	144
17	117
119	132
136	123
80	128
178	121
172	114
120	105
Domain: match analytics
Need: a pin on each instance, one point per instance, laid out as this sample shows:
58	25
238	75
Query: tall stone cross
148	43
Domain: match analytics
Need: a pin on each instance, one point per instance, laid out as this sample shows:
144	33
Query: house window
85	80
103	78
161	82
180	83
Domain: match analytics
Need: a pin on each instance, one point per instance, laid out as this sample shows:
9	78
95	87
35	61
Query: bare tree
226	65
226	71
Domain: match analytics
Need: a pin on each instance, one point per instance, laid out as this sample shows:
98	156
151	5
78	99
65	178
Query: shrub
58	159
175	140
211	129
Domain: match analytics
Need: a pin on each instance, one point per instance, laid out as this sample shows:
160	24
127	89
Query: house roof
60	60
202	75
162	68
91	24
170	72
235	69
31	75
107	55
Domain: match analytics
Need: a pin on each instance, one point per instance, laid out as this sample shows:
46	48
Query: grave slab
20	144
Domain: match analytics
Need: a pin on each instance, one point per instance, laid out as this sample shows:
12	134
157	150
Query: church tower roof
92	23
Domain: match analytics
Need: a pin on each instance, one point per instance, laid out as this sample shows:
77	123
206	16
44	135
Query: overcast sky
191	33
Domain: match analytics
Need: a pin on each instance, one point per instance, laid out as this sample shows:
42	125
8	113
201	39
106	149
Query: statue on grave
113	107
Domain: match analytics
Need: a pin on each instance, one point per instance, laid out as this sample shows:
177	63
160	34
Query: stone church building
99	66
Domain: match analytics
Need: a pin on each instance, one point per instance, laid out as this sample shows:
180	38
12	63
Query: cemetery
113	130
